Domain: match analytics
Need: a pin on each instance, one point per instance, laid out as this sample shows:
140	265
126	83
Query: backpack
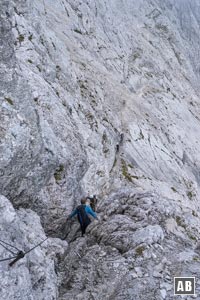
93	202
83	218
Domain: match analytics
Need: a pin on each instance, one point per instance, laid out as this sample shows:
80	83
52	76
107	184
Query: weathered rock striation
99	97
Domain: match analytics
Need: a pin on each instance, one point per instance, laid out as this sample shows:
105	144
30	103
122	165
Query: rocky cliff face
99	97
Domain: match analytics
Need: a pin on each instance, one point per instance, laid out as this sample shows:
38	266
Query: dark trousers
84	226
83	229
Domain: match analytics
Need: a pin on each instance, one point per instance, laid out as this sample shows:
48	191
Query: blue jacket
88	210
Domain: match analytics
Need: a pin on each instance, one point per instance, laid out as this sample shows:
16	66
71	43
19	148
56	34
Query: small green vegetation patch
20	38
9	100
195	258
58	173
191	236
180	222
139	250
190	195
125	172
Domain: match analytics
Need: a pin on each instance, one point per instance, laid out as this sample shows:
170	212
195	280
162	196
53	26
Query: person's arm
73	213
91	212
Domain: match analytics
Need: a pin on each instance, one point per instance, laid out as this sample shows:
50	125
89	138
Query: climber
82	212
121	138
120	142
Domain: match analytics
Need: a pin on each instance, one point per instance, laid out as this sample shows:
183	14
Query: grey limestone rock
99	97
34	276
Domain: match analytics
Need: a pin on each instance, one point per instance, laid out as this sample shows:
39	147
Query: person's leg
83	228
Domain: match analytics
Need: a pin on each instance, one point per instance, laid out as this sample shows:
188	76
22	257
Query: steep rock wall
103	97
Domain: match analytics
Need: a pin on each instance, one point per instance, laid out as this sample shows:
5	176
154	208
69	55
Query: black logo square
184	285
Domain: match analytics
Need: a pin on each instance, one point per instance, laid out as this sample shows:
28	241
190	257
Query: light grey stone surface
34	276
100	97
